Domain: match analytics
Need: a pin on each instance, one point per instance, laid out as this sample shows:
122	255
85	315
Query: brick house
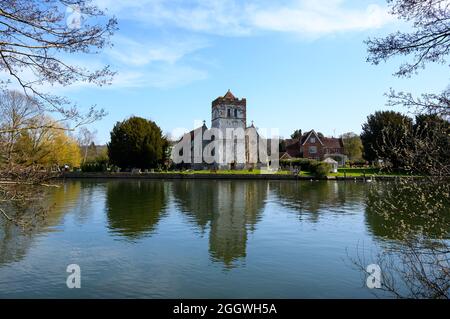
316	147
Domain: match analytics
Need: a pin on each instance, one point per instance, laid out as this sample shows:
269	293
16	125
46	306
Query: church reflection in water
231	209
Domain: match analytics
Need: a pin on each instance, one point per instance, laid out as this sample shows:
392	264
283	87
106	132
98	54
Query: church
228	144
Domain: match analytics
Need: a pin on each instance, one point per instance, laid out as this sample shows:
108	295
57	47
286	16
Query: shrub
317	168
321	169
96	166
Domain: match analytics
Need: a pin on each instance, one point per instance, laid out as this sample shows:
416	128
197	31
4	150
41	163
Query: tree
428	41
424	268
86	141
432	145
385	136
49	148
18	113
297	134
353	147
35	38
137	143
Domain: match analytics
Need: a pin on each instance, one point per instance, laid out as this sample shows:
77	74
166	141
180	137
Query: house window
235	113
313	150
228	113
312	140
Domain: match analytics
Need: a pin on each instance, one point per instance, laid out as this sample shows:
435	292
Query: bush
304	164
316	168
357	163
321	169
97	166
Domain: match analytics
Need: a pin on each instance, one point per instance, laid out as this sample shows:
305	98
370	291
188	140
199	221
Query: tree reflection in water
16	241
134	208
310	199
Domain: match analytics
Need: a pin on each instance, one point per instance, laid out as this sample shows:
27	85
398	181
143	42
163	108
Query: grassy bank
365	172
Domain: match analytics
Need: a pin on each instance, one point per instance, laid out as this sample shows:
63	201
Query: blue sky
299	63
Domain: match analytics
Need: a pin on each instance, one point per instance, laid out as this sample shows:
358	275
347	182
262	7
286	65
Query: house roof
332	142
329	142
306	136
290	141
285	155
293	149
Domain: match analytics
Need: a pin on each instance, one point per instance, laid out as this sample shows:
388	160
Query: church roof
229	95
229	99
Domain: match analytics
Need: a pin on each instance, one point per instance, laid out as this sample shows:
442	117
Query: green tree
297	134
386	136
353	147
137	143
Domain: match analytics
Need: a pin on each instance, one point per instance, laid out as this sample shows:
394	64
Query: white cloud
237	18
134	53
320	18
162	77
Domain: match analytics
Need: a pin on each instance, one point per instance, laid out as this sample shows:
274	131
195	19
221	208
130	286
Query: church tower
229	112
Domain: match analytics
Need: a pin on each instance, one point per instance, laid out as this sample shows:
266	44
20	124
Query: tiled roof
332	142
229	96
293	149
290	141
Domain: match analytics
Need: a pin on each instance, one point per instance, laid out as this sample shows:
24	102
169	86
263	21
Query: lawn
360	172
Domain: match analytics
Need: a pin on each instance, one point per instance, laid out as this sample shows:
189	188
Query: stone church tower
229	112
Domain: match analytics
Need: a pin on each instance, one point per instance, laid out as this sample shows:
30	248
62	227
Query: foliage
137	143
427	41
419	267
353	147
318	169
282	146
97	163
321	169
86	142
297	134
32	138
358	162
50	147
35	38
415	213
430	146
37	41
386	128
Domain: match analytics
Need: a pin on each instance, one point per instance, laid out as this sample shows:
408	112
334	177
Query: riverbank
218	176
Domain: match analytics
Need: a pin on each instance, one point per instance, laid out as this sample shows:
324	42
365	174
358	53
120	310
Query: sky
299	63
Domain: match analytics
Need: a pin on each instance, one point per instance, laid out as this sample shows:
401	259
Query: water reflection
134	208
230	208
310	199
397	210
225	211
16	241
